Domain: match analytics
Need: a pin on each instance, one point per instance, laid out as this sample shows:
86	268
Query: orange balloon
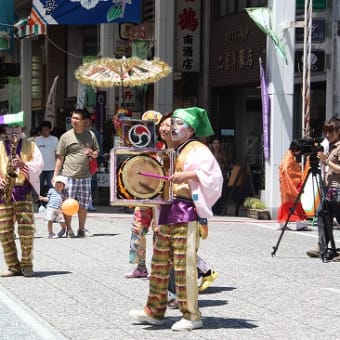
70	207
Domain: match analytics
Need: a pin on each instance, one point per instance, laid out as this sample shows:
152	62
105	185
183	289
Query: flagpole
307	46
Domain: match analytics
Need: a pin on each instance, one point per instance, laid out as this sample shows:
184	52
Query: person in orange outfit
291	178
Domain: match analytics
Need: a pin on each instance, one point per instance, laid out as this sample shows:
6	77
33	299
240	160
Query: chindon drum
131	184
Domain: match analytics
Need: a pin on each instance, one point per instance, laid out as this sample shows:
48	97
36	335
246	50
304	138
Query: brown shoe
10	273
314	252
336	258
28	272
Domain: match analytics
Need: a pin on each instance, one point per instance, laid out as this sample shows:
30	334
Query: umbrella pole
123	98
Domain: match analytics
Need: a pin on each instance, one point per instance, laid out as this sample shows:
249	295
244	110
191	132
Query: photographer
331	207
290	176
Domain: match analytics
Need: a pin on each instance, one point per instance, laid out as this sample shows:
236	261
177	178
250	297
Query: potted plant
256	208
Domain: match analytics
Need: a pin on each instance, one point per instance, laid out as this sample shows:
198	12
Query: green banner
261	17
14	94
140	48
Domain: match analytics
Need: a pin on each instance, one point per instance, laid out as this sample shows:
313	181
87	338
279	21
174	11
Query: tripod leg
291	212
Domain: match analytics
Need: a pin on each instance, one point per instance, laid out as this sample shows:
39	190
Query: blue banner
68	12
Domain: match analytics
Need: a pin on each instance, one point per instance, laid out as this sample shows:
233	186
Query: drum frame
119	155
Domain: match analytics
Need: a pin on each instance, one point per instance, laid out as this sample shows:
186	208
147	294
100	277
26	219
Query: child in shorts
54	199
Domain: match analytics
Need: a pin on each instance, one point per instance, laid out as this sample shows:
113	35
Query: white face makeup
180	130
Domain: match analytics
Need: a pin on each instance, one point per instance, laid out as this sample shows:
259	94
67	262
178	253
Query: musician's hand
18	163
183	176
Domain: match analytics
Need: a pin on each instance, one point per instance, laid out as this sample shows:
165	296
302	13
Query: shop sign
318	5
317	61
318	31
188	28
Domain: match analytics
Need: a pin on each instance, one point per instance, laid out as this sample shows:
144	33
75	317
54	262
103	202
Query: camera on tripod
310	147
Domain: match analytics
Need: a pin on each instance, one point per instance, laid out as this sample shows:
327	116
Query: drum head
138	186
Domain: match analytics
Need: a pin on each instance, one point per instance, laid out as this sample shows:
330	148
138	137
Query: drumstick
151	174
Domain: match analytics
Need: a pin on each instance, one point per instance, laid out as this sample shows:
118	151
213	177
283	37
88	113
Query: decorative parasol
127	72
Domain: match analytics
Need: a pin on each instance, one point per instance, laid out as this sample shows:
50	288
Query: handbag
93	166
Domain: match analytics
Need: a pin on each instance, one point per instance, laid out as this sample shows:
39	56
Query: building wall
235	47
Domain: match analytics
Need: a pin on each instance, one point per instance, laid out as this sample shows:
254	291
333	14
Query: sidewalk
81	291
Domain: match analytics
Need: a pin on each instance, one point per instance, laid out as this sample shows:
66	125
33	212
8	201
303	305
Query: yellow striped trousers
176	247
22	213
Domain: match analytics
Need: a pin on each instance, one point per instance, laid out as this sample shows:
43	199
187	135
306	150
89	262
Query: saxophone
7	190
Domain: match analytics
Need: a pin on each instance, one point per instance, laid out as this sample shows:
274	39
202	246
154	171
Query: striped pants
143	217
22	213
176	248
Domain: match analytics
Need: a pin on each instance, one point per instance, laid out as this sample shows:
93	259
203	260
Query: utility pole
26	81
281	93
333	67
164	49
108	38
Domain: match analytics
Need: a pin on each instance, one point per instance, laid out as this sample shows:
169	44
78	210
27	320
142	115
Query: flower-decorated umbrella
127	72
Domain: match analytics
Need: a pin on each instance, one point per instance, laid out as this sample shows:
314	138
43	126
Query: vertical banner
265	113
81	95
100	110
140	48
188	19
14	94
50	103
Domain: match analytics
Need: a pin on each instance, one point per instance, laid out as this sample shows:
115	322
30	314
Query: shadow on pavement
95	235
215	323
209	323
210	303
51	273
214	290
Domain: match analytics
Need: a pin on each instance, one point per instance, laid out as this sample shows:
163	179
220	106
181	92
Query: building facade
214	49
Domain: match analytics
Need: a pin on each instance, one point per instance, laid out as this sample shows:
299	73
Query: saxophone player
20	166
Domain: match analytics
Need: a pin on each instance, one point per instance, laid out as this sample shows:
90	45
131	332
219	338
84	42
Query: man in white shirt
48	146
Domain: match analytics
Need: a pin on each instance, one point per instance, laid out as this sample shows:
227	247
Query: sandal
137	274
10	273
70	233
61	233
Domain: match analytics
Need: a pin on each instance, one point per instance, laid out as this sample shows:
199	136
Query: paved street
80	291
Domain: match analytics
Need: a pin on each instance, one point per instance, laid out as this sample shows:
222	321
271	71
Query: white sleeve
208	189
35	167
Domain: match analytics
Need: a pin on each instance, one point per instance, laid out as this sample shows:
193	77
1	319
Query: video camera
310	147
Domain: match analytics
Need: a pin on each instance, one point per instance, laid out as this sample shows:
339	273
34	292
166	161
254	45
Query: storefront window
224	8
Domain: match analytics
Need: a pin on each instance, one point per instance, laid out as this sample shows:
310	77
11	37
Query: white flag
50	103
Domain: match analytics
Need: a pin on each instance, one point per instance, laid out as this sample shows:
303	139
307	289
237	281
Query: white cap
61	179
